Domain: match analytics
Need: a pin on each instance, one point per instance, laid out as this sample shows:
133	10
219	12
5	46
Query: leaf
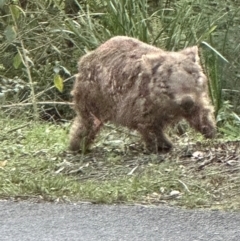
15	10
58	82
66	71
208	33
17	60
59	68
174	193
236	116
56	49
10	33
56	69
198	155
215	51
2	164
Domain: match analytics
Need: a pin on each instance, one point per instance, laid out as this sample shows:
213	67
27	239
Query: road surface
23	221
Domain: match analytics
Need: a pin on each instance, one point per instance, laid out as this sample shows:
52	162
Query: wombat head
181	74
181	71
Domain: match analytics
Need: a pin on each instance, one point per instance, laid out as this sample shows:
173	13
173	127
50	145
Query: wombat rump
139	86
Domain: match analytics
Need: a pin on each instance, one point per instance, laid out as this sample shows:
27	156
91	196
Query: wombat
142	87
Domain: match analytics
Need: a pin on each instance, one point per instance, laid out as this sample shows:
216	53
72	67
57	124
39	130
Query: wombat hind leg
82	134
77	133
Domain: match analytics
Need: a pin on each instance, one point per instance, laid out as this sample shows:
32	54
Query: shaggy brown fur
142	87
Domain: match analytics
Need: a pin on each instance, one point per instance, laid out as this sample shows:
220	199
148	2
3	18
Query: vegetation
40	43
34	165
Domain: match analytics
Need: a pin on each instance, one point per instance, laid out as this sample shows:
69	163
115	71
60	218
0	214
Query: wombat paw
165	147
78	150
162	148
208	132
74	148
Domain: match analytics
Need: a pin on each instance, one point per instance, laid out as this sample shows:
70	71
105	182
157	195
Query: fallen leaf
2	164
198	154
174	193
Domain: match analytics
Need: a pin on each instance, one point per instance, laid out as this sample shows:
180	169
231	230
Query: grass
35	165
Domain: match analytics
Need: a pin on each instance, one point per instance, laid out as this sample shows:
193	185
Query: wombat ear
192	53
146	63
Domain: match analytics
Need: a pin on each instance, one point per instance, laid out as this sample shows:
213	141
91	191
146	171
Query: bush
53	34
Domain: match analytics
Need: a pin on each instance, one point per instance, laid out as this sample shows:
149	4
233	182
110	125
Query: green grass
34	164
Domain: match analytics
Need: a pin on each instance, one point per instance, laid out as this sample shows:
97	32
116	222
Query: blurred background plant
41	41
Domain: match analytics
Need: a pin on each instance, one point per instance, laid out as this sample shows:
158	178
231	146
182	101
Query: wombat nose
187	103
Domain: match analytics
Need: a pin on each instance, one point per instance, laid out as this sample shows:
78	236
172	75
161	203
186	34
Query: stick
40	103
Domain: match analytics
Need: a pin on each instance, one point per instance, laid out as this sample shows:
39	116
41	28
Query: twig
133	170
40	103
229	90
185	186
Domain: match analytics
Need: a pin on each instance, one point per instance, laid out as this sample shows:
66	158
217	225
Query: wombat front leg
163	144
155	139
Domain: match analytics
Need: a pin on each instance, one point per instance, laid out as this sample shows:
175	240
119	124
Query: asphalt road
24	221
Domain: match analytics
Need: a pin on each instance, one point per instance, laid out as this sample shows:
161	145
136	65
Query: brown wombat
142	87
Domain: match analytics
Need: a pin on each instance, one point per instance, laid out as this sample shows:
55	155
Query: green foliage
228	121
56	33
188	23
213	66
92	26
129	18
10	33
2	3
